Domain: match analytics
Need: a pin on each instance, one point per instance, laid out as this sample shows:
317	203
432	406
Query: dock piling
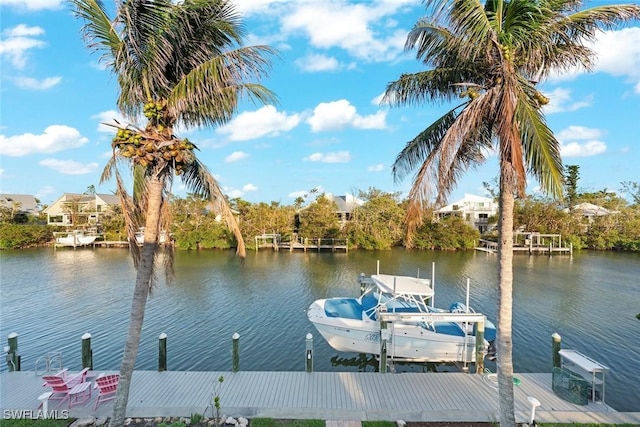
309	352
556	344
11	350
236	352
87	352
162	352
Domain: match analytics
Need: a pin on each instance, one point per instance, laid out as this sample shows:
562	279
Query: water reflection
50	298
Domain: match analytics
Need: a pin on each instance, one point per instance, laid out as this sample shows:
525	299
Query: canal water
50	298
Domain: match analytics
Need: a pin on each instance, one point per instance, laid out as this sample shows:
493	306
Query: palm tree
179	64
492	55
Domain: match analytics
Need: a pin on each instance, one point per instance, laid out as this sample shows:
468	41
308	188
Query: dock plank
325	395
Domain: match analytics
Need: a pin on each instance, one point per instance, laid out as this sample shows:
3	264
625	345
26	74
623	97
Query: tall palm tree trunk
140	294
505	301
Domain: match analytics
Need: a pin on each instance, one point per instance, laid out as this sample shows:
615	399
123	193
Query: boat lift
390	317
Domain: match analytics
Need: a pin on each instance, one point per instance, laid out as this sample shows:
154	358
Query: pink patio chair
68	387
107	386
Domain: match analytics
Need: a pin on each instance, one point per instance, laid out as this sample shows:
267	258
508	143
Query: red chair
68	387
107	386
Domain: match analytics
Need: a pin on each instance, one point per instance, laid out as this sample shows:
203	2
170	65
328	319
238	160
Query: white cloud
69	167
376	168
266	121
585	149
315	63
560	101
618	54
340	114
579	141
35	84
235	192
45	191
55	138
32	5
247	7
296	194
377	100
17	41
235	156
335	157
578	132
314	192
362	29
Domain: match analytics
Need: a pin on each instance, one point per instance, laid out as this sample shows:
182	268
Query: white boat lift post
433	284
384	337
466	334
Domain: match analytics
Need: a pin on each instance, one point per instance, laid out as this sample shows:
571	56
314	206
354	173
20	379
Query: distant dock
274	241
530	243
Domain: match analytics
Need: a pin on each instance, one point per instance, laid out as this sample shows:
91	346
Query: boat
75	238
415	331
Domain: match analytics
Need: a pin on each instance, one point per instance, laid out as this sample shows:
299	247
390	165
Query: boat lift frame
386	317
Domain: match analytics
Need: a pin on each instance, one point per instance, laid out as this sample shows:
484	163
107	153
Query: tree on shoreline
178	64
492	54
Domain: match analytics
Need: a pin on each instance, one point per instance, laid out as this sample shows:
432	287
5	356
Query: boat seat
348	308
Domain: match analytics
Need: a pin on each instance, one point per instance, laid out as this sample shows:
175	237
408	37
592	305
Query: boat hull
75	239
409	341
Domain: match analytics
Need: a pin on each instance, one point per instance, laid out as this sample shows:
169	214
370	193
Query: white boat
75	238
415	331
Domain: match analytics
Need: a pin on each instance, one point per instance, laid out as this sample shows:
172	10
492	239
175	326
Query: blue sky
327	131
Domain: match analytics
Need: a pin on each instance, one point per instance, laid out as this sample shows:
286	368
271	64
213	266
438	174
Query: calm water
51	298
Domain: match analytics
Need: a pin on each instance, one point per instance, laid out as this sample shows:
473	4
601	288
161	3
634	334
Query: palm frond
539	143
99	31
432	85
131	217
417	151
199	180
109	169
209	94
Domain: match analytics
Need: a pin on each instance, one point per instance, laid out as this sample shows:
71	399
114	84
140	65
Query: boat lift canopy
404	285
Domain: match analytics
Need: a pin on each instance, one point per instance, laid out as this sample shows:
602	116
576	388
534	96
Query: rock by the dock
84	422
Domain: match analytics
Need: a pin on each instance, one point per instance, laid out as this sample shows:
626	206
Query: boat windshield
376	297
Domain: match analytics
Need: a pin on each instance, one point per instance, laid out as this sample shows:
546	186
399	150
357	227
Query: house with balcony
346	204
475	210
73	210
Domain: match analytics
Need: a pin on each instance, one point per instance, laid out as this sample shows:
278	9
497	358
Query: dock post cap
555	335
86	336
12	335
309	336
235	336
162	336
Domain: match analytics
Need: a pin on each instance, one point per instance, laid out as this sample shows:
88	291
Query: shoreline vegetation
376	224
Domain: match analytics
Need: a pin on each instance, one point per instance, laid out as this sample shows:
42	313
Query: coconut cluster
146	150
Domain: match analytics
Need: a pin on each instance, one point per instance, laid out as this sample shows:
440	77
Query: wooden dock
324	395
274	242
530	243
